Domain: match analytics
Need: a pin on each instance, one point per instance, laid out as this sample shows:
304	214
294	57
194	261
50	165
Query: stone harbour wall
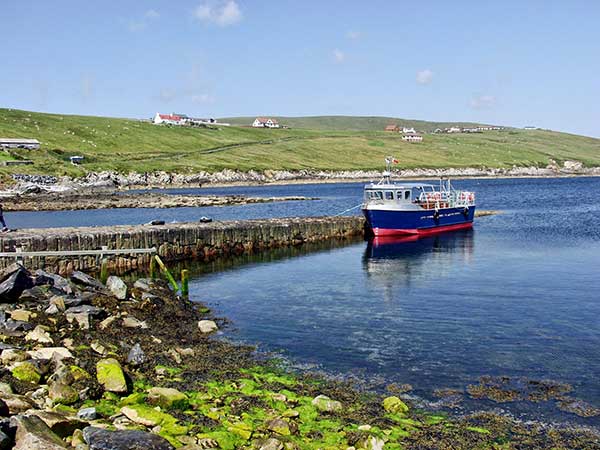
174	242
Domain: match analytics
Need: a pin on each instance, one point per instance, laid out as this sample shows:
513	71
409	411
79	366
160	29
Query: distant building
529	128
453	130
412	137
265	122
409	131
394	128
76	160
29	144
169	119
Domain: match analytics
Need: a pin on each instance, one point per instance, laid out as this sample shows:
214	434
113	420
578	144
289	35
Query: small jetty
63	250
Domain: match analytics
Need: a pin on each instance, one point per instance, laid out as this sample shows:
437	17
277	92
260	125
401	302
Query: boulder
17	325
12	355
93	311
27	372
325	404
33	433
87	413
15	283
60	424
110	375
39	335
22	315
136	356
55	353
132	322
279	426
62	393
270	444
207	326
85	280
394	405
117	287
34	294
145	284
167	398
136	416
16	403
99	439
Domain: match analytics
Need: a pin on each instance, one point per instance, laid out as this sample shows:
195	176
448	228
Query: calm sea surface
517	296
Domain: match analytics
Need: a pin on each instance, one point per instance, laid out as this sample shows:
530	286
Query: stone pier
174	242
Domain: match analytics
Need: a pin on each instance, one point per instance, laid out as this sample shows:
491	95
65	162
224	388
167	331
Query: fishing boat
395	209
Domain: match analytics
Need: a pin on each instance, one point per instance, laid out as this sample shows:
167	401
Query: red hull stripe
420	231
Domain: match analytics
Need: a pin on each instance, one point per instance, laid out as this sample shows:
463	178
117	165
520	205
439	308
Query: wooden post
185	291
167	274
152	267
104	270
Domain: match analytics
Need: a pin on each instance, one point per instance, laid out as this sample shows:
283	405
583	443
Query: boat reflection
399	262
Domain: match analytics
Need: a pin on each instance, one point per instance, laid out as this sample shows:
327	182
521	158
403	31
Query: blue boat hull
389	223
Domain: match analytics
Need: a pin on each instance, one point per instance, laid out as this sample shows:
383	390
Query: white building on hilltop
408	131
169	119
265	122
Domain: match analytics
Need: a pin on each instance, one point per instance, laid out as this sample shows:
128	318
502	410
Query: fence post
167	274
185	291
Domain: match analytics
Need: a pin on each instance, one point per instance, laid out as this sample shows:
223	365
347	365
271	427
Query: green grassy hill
351	123
131	145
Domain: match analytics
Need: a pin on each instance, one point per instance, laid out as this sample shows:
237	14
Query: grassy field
352	123
130	145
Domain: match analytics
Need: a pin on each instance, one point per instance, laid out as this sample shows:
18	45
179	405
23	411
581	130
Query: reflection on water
398	262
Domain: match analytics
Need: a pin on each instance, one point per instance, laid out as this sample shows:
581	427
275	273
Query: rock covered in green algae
394	405
110	375
62	393
26	371
325	404
167	398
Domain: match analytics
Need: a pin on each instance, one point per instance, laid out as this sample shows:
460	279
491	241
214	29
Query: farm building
412	137
30	144
265	122
169	119
393	128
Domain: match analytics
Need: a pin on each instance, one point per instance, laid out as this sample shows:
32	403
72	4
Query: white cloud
221	12
142	24
353	35
202	98
338	56
151	14
424	76
483	102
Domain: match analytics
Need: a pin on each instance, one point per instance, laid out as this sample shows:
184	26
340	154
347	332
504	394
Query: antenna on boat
389	160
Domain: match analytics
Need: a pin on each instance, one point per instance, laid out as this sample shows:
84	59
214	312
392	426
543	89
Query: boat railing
446	199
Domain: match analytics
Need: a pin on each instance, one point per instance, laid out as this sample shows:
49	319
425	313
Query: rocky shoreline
114	180
68	201
131	365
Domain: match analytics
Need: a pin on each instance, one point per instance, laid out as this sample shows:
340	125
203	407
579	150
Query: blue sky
513	63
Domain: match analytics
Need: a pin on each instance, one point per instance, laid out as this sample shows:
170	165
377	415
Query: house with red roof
265	122
170	119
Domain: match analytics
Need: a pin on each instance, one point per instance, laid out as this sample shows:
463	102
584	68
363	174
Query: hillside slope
351	123
128	145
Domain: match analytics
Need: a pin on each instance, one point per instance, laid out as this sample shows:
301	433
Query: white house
408	131
265	122
412	137
169	119
454	130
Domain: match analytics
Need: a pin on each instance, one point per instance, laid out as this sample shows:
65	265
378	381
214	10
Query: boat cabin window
375	195
406	195
389	195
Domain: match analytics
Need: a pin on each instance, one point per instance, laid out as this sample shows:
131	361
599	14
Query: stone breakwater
174	242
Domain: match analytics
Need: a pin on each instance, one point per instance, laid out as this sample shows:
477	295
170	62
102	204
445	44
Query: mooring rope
349	209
